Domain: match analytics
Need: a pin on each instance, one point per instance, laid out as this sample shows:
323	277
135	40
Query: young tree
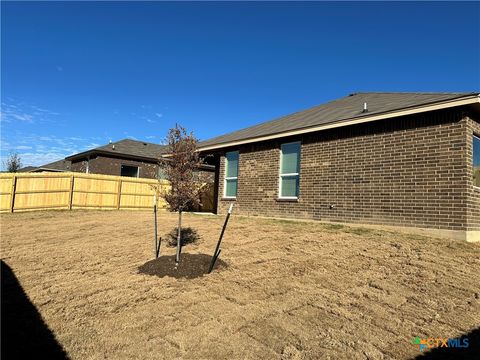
13	163
180	167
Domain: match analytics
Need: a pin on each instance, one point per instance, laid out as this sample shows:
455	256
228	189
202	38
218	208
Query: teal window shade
231	174
232	164
290	170
476	161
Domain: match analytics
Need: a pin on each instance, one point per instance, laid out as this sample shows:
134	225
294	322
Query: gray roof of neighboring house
349	107
125	148
59	165
27	169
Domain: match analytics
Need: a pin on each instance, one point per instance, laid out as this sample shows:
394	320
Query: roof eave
468	100
46	169
88	153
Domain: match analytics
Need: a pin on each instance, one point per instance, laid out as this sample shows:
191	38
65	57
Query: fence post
12	194
70	198
119	193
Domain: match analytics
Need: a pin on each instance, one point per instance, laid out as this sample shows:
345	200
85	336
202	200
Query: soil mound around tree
191	266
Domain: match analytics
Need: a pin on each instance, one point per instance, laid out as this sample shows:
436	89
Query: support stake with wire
216	254
157	240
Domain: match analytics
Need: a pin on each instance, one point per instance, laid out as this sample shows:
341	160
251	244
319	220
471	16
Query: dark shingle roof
349	107
59	165
27	169
127	147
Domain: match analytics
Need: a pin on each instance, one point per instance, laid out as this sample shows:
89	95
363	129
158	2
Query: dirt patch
291	290
191	266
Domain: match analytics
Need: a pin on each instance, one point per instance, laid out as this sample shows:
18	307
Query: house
404	159
129	158
122	158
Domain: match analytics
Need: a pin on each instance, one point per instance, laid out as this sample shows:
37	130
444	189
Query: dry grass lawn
285	290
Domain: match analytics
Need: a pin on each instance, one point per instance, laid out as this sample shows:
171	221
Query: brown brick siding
409	171
473	195
112	166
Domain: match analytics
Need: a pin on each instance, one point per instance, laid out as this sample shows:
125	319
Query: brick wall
112	166
473	195
409	171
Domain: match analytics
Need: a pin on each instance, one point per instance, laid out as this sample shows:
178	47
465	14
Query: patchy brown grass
284	289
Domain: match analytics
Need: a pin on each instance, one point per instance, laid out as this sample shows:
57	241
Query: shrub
189	236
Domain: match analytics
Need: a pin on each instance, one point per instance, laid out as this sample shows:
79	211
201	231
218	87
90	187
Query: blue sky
75	75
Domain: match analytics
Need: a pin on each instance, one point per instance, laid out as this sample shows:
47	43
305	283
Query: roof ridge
280	118
416	92
127	139
347	107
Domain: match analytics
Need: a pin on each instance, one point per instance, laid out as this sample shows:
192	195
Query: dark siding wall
473	201
111	166
408	171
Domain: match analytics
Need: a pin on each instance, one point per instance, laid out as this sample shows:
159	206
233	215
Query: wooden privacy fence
68	190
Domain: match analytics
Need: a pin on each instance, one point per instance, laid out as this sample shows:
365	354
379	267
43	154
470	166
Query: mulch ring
191	266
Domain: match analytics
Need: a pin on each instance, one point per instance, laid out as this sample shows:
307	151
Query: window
130	171
231	174
476	161
161	174
289	170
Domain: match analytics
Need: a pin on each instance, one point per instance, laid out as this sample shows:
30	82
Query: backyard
281	289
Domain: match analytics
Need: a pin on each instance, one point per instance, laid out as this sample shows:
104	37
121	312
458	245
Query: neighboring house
403	159
122	158
126	158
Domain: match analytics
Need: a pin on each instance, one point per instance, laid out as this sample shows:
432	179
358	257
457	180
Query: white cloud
37	159
150	137
13	111
159	115
23	117
151	121
38	150
41	110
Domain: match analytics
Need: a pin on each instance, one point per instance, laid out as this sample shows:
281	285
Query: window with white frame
231	174
289	170
476	161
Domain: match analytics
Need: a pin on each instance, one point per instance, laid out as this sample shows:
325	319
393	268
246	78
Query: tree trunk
179	237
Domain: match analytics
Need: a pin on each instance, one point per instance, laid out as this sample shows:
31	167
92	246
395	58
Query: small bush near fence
188	234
